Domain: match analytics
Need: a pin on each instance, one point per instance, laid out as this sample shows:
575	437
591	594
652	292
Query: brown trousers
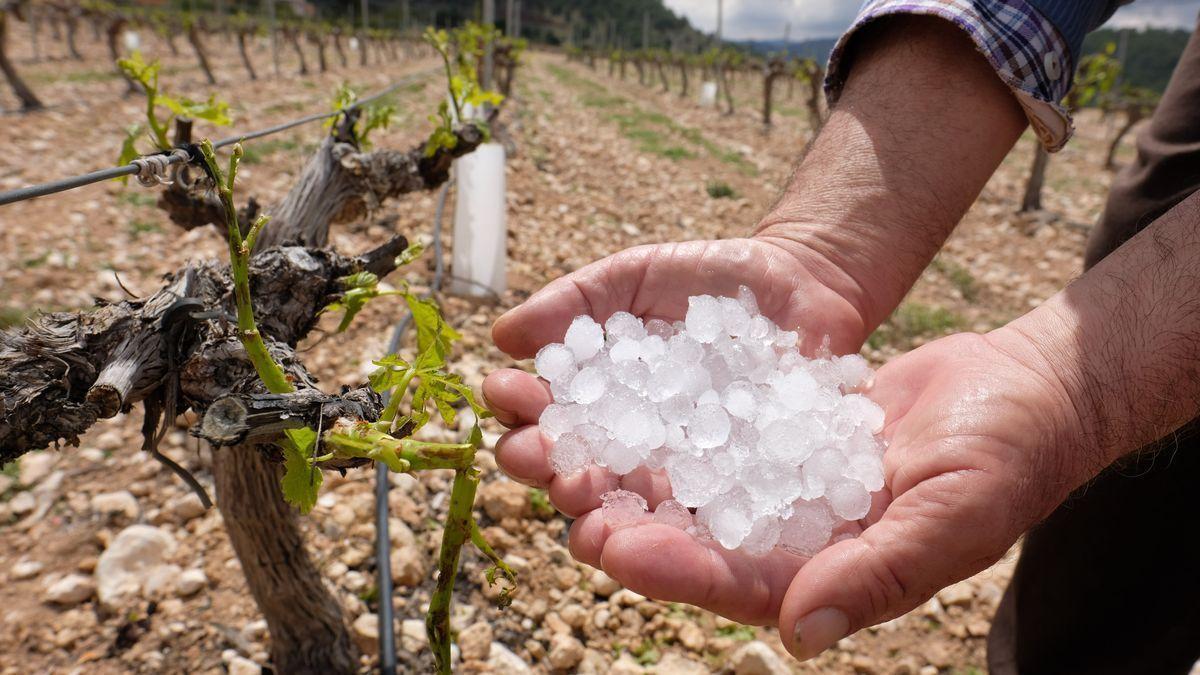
1110	582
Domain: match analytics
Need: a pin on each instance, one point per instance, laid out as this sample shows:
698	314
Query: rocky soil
108	564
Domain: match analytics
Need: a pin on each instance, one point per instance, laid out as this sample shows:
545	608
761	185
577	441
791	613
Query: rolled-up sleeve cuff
1025	49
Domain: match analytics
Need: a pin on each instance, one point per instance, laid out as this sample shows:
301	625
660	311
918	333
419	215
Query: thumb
941	531
598	290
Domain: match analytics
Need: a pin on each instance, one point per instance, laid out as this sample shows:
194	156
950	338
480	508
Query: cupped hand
796	289
983	443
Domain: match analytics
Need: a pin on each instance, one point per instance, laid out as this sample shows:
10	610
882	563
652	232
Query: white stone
121	503
129	559
191	582
240	665
502	660
70	590
26	569
757	658
34	466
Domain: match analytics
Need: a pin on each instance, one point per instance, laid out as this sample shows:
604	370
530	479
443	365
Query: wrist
1069	438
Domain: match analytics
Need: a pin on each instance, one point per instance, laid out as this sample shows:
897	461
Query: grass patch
720	190
655	133
31	263
369	595
137	198
11	317
646	654
138	227
958	276
914	320
290	106
539	500
737	632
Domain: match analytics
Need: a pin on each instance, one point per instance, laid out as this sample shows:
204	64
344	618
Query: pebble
185	507
129	561
475	643
35	466
604	585
574	615
565	651
191	582
240	665
678	664
626	666
110	440
255	631
961	594
23	503
757	658
502	660
366	632
26	569
412	635
113	504
159	581
504	499
409	565
70	590
692	637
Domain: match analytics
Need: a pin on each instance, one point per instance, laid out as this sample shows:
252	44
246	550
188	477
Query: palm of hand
973	461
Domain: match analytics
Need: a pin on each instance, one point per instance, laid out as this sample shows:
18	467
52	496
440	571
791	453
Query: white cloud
1157	13
765	19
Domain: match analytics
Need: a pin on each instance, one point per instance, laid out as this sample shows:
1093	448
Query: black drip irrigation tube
383	543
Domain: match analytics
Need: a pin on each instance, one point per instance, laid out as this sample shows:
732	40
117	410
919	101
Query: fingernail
818	631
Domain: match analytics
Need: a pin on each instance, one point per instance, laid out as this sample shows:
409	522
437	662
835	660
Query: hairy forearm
1123	341
922	123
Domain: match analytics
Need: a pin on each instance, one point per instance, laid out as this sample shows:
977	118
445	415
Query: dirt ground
600	164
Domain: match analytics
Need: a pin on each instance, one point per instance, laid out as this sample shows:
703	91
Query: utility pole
366	19
787	38
274	40
509	21
720	20
489	19
517	19
645	30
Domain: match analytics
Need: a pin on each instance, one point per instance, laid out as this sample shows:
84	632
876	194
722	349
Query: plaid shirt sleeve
1026	50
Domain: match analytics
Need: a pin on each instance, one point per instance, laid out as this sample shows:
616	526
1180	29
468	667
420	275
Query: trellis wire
73	182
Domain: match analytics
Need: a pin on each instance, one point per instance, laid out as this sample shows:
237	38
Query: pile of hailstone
763	448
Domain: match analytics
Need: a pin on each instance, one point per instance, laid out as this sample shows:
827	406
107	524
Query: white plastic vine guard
479	261
131	40
708	94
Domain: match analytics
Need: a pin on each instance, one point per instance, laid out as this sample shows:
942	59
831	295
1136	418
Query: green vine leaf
390	373
361	288
434	335
301	480
410	254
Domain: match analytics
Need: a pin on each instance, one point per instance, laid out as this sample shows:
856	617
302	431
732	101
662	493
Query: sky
766	19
